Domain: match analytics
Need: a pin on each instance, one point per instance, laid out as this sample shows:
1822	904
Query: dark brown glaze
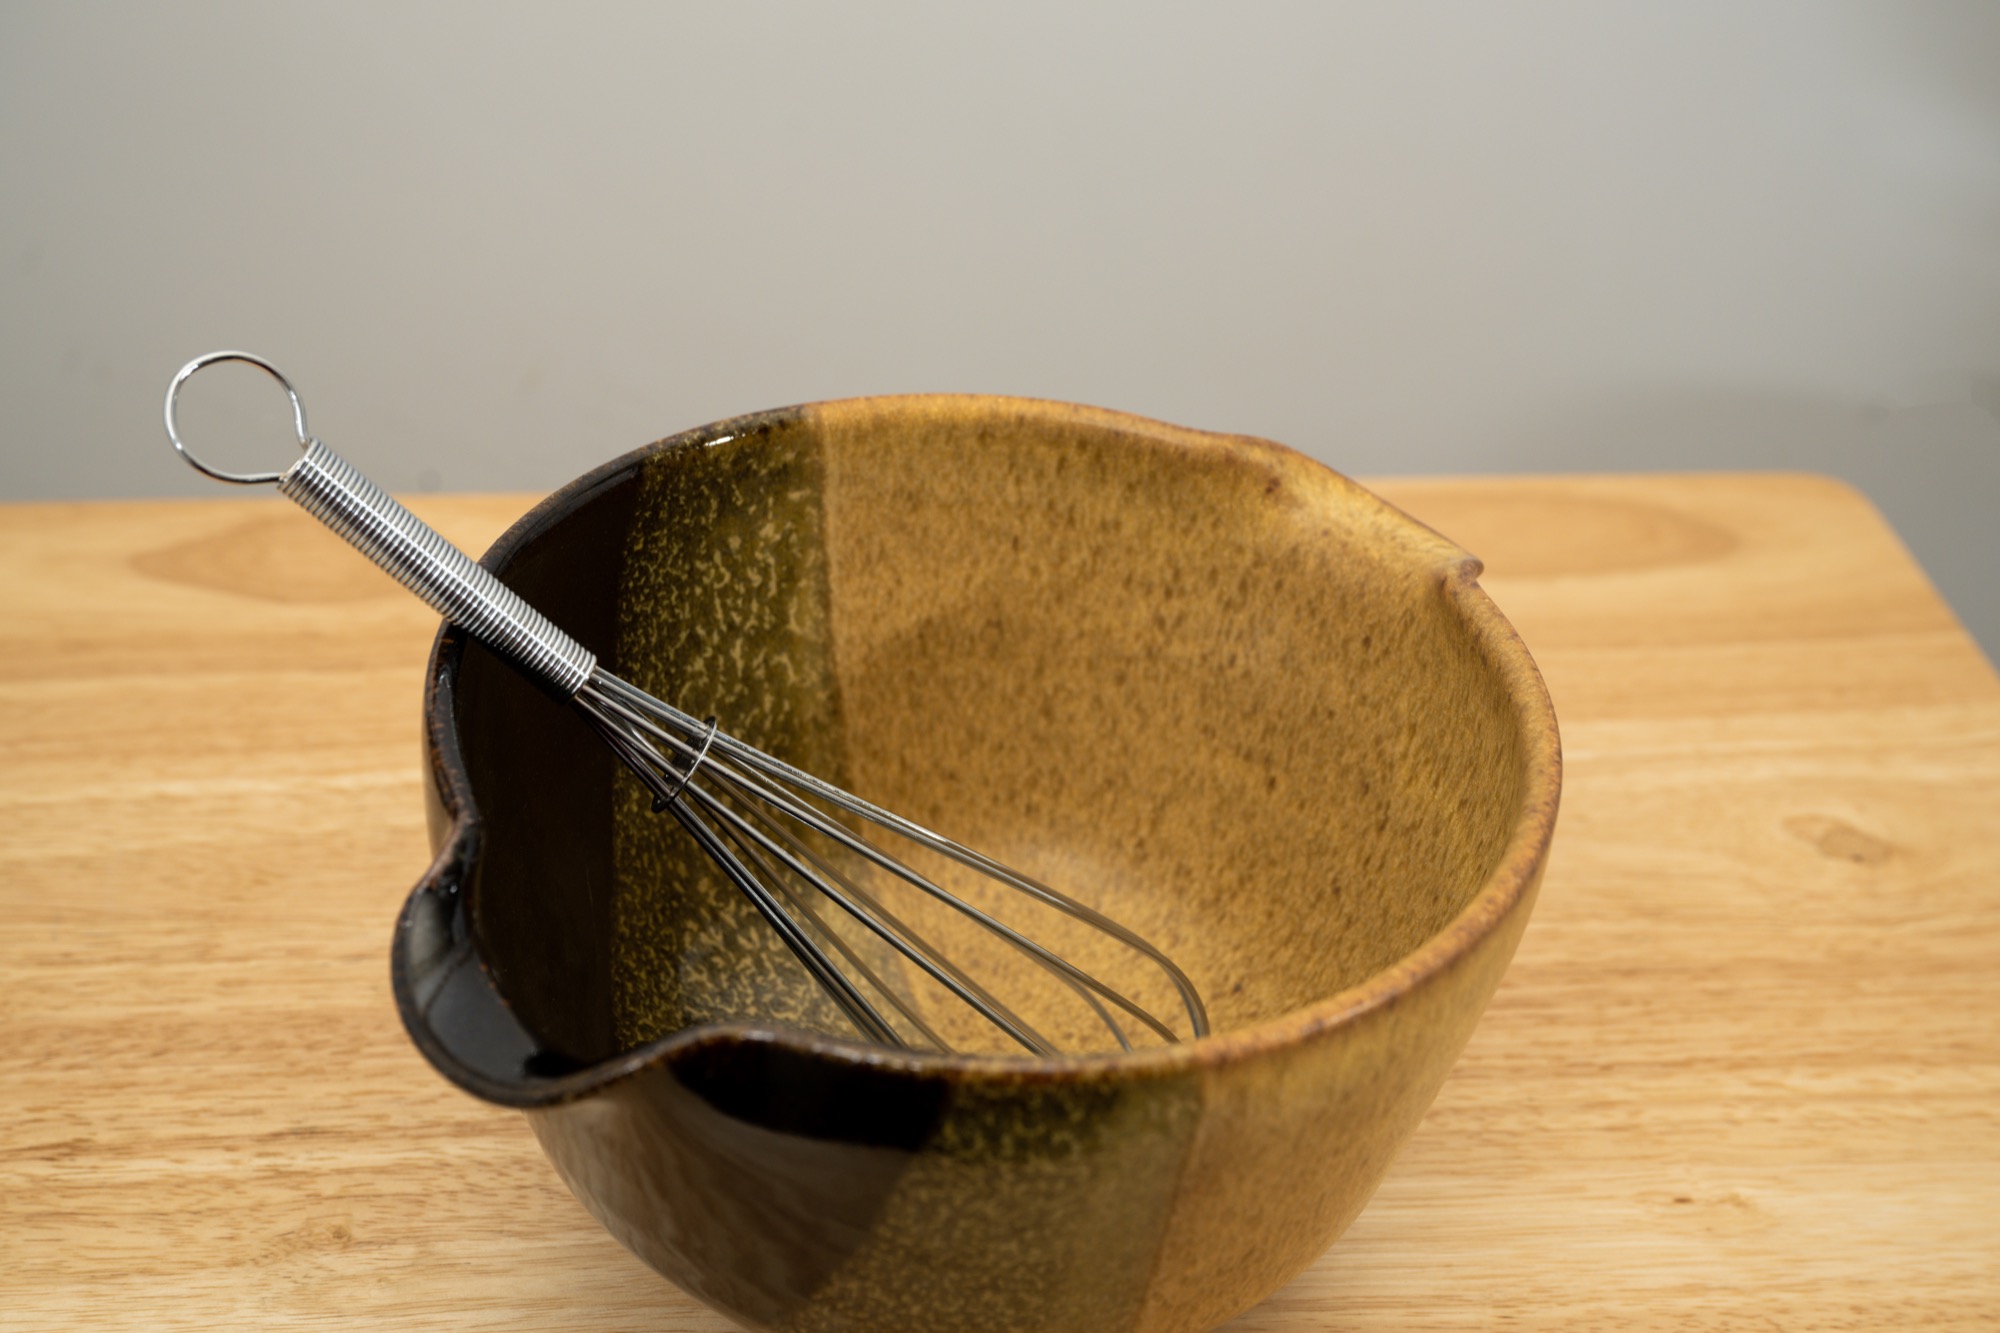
793	1192
1089	643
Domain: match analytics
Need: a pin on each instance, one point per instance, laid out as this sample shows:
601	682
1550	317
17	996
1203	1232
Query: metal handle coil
335	492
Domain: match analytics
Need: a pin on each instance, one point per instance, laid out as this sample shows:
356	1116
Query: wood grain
1745	1071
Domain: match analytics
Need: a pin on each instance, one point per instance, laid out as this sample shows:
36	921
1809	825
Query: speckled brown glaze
1199	680
722	607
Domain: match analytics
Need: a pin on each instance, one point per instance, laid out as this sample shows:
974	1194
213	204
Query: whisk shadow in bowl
1220	692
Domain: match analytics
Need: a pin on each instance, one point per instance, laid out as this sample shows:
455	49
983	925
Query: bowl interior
1200	682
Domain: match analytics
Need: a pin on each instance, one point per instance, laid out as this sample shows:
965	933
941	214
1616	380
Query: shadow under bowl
1211	686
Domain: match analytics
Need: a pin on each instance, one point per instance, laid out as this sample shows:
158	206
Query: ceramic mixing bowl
1200	680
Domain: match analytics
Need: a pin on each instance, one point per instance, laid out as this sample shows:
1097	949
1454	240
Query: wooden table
1745	1071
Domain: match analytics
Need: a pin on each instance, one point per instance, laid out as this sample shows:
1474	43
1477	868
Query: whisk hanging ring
173	410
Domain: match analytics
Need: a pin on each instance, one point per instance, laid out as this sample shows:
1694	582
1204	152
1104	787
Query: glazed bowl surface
1201	681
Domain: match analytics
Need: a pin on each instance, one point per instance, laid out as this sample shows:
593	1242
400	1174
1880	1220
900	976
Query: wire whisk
814	860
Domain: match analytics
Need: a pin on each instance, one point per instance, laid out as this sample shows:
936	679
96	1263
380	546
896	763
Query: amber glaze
1223	692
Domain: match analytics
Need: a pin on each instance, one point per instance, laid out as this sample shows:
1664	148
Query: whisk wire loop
841	890
661	721
799	903
647	765
771	766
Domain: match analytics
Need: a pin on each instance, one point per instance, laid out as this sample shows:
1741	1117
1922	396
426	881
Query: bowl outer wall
1256	1146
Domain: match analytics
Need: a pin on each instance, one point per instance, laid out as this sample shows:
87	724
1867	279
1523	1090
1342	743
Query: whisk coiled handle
460	589
415	554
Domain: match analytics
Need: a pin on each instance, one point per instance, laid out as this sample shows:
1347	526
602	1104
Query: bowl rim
1505	890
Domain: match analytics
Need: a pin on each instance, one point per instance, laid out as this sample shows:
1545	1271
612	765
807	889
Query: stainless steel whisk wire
752	814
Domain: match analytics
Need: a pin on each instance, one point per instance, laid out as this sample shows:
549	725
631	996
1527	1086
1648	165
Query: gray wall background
496	244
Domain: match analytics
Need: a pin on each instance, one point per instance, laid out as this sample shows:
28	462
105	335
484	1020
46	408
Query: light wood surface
1745	1071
